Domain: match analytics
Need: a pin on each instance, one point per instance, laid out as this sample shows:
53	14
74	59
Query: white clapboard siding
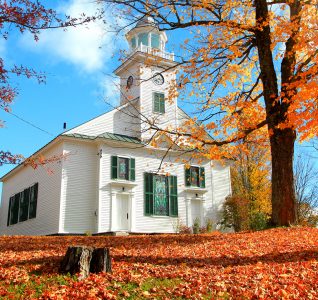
126	95
221	187
124	120
169	118
79	188
146	162
48	204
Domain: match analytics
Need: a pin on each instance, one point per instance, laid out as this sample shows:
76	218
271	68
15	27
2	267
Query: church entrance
123	212
196	211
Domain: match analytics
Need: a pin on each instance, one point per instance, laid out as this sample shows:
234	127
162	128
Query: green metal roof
107	136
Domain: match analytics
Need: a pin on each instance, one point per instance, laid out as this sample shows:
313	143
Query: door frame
113	214
188	201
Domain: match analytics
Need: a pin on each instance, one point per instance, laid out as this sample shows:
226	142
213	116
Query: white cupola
146	37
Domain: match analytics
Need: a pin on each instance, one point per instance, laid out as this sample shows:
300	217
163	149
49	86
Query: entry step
120	233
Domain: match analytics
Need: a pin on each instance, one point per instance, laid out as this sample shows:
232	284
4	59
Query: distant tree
248	65
306	187
251	177
26	16
250	204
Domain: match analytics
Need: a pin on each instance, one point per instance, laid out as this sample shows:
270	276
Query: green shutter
9	210
33	201
114	167
148	183
156	102
24	205
132	172
14	215
159	103
173	195
162	103
202	177
187	176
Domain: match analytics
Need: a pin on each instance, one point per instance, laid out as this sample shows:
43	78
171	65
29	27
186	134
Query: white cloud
109	92
88	46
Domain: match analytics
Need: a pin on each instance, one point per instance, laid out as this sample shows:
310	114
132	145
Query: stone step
120	233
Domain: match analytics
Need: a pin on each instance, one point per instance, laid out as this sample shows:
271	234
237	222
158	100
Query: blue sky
78	64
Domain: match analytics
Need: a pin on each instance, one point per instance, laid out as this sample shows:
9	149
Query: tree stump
101	261
83	260
77	260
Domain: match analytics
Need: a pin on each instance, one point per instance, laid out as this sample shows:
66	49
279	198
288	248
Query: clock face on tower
130	81
158	79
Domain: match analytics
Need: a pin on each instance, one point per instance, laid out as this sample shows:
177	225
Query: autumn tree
33	17
246	65
250	177
249	205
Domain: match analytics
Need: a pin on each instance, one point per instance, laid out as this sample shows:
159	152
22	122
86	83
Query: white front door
196	211
123	212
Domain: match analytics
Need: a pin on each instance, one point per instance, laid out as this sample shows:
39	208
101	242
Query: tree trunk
283	193
77	260
101	261
83	260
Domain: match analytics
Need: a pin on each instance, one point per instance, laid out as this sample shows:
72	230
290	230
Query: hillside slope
272	264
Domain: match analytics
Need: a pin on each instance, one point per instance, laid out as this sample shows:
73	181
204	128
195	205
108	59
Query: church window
195	176
161	195
22	206
122	168
159	103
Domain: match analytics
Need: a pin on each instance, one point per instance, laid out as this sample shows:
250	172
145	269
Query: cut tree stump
101	261
84	259
77	260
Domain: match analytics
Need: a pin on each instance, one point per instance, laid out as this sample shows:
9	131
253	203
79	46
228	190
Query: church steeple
147	75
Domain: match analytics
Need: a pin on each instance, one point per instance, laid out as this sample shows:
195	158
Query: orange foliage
272	264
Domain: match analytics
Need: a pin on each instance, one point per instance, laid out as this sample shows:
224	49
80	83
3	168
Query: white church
112	179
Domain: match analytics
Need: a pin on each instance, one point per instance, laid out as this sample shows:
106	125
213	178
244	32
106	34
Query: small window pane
123	168
143	39
33	201
195	178
155	40
24	205
133	42
14	214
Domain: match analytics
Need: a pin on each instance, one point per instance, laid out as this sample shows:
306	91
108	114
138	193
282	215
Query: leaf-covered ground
272	264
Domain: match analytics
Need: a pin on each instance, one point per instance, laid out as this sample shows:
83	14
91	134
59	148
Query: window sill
125	183
194	189
161	217
158	113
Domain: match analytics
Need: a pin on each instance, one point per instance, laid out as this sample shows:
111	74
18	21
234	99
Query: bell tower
147	75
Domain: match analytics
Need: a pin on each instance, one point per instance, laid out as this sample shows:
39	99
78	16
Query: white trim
123	183
197	190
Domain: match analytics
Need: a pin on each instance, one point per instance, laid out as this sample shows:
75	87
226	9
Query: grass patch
160	283
150	287
36	286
